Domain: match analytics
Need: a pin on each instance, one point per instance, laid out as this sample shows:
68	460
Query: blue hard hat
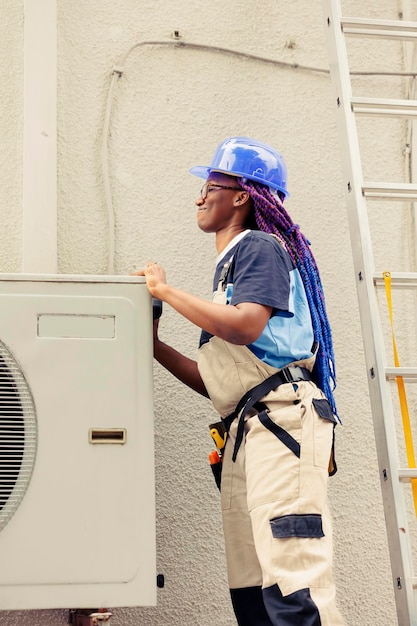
249	158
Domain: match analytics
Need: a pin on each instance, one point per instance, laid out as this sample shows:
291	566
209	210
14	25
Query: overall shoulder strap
224	274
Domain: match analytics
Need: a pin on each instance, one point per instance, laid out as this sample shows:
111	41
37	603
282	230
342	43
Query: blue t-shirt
260	270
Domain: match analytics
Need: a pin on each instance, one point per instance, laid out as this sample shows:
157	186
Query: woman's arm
180	366
240	324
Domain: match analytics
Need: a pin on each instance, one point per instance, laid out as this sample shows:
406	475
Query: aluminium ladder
358	192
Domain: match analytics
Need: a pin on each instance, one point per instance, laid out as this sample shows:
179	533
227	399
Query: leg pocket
324	422
273	468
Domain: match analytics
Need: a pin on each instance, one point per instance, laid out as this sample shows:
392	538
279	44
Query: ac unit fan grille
18	435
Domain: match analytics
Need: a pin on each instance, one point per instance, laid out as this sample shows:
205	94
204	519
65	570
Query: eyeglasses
207	187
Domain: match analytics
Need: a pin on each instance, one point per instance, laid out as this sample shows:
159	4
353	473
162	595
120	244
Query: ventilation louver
18	435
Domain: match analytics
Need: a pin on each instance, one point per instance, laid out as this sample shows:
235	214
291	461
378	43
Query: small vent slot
107	435
18	435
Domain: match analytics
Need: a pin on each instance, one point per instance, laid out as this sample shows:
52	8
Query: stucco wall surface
11	134
170	108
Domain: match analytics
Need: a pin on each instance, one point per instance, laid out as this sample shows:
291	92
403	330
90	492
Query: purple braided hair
271	217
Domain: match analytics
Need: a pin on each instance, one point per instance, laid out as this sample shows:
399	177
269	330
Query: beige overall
276	521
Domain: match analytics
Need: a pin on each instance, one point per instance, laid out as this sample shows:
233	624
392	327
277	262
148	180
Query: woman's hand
155	278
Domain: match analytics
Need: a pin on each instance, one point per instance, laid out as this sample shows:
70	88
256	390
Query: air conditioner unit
77	506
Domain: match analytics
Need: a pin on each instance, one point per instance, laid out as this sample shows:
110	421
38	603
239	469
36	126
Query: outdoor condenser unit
77	509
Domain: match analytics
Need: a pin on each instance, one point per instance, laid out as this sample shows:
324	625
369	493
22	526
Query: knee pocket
308	526
301	551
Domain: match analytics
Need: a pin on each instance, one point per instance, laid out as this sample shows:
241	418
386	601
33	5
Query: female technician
266	362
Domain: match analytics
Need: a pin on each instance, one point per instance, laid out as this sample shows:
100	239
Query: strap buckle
295	373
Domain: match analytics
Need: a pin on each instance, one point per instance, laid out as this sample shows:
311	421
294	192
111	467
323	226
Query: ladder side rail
381	401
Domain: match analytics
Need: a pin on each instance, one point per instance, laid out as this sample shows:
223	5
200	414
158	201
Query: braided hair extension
271	217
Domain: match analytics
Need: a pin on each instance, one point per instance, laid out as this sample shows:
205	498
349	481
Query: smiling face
225	206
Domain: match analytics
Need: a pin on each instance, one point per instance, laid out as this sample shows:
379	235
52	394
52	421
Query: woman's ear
241	198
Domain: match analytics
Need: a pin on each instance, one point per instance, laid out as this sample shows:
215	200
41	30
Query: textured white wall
171	107
11	135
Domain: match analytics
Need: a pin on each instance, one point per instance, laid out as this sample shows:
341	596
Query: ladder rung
405	475
386	29
381	106
390	191
398	279
409	373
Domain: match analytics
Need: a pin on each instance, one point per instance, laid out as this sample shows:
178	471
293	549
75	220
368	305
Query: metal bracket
88	617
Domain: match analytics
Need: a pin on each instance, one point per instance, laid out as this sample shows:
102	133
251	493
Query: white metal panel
86	526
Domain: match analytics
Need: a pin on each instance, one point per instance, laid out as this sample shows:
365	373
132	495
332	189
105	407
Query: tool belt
251	399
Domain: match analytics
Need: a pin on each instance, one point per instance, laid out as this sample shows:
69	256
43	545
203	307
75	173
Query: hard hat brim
203	171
